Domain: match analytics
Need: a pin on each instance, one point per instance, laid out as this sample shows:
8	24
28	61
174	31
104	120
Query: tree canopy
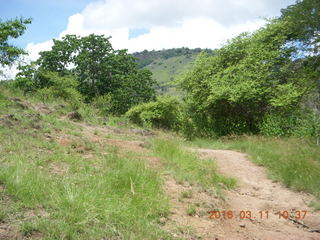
99	69
11	29
255	75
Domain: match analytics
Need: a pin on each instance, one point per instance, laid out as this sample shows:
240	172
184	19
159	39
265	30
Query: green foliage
248	79
166	65
99	69
304	20
300	123
11	29
103	103
163	113
60	87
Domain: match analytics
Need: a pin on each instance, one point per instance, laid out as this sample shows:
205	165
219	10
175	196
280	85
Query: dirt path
258	193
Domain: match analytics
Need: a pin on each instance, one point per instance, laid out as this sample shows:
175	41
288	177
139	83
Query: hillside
225	147
167	65
78	175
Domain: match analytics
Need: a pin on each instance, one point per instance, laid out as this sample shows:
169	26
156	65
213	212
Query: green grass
108	195
191	210
187	166
294	162
166	71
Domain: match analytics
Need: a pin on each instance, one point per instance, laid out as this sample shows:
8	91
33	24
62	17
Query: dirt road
261	198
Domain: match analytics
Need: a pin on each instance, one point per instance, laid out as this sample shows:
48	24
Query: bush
103	103
163	113
61	88
300	123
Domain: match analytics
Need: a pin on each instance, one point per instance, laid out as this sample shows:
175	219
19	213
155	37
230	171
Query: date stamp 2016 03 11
262	214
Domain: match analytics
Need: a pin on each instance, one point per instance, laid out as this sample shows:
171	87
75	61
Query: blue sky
50	17
137	25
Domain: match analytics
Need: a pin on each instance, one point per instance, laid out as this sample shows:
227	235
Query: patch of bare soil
92	133
183	222
43	108
7	231
60	168
258	193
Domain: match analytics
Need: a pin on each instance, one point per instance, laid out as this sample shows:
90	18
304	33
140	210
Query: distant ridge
167	64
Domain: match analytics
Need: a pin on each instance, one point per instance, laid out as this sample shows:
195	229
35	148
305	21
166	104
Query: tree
99	69
304	20
230	92
11	29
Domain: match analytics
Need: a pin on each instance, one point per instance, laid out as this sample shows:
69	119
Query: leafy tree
231	91
11	29
304	20
99	69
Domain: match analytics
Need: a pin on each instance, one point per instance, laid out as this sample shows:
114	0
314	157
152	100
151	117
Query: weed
186	194
191	211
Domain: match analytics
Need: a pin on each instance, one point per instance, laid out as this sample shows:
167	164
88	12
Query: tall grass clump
108	196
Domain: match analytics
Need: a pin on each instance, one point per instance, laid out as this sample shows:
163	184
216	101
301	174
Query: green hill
167	65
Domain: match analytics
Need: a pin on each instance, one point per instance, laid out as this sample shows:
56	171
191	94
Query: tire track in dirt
258	193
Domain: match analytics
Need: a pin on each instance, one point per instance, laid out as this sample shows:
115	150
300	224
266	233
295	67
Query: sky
137	25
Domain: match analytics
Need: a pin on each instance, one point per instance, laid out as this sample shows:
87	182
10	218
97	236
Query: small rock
74	116
256	188
162	220
242	225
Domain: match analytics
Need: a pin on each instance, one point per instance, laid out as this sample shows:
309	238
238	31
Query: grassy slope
54	189
166	71
56	182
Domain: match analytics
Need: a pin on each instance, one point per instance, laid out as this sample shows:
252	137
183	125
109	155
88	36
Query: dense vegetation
101	73
266	82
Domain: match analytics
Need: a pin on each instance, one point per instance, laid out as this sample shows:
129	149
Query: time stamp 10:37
262	214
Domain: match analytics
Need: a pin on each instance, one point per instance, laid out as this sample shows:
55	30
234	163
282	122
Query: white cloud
34	49
144	13
178	23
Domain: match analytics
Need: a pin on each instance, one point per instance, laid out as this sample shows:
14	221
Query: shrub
62	88
299	123
103	103
163	113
